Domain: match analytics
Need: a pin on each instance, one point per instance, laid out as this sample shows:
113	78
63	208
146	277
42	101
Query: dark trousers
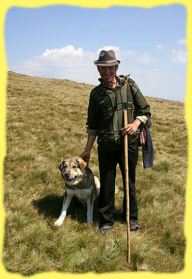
108	161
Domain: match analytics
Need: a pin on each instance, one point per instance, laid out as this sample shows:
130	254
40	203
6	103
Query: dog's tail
97	184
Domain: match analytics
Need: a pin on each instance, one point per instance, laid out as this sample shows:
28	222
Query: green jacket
105	111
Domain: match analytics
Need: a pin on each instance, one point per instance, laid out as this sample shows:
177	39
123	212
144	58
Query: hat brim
107	63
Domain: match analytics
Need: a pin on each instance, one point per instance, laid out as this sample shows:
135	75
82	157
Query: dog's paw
59	222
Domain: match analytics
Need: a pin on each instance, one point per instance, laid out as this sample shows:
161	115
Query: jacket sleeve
92	116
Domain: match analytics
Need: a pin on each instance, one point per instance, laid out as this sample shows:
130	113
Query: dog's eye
74	167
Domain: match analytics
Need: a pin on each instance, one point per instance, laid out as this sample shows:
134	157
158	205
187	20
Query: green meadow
45	122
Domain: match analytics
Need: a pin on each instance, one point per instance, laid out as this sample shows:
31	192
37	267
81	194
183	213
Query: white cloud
159	46
181	42
67	62
151	81
68	55
135	56
129	52
123	54
68	50
179	56
144	58
115	48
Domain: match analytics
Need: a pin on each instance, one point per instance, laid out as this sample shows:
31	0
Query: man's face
107	73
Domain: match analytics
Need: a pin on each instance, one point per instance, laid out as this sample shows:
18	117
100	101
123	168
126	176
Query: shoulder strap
128	90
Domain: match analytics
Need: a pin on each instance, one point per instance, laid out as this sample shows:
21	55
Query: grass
46	121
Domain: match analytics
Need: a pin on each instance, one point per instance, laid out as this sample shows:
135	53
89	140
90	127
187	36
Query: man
105	121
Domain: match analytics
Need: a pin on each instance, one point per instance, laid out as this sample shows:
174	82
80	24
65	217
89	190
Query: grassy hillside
45	122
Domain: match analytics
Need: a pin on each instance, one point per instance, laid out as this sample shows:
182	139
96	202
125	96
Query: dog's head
72	170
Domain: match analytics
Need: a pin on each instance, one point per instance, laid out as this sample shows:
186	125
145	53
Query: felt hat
107	58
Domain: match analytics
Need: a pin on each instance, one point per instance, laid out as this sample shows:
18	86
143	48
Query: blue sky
63	42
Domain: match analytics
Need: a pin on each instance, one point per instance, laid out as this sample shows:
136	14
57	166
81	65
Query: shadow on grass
51	205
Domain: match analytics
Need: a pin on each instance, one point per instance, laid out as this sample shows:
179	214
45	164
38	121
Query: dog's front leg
66	201
89	211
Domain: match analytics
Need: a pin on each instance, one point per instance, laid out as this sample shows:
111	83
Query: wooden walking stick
125	114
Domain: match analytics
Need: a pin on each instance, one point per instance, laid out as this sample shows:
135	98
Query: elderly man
105	121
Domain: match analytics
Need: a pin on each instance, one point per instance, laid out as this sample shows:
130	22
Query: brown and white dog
79	182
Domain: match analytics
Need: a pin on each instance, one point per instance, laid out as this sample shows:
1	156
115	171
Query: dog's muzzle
68	177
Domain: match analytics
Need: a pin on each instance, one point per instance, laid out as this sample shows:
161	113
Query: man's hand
131	128
85	156
86	153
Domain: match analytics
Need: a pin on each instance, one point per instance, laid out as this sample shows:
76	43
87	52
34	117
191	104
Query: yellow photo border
4	7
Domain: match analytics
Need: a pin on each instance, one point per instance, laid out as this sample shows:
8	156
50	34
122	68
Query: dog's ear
82	163
59	167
